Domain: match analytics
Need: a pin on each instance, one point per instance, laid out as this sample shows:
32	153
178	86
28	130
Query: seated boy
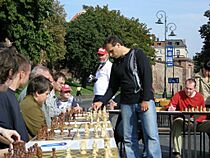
66	100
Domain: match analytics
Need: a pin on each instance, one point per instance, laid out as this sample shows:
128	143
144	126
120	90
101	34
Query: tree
204	56
86	34
32	26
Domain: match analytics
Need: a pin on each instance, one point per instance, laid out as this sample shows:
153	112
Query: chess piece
53	153
95	148
61	129
78	134
103	132
86	131
39	152
69	132
196	109
83	147
107	145
75	124
68	152
96	132
106	154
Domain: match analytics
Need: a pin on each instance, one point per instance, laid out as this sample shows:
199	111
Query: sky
188	15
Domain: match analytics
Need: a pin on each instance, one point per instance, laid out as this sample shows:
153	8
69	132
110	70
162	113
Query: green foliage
204	56
36	28
87	33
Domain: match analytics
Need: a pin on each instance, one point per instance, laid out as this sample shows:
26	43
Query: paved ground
164	139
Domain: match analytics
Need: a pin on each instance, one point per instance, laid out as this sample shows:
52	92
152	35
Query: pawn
83	147
96	132
78	134
54	153
95	148
201	110
39	152
68	153
106	154
196	109
75	124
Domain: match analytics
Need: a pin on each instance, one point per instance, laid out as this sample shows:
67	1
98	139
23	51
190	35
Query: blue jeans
130	115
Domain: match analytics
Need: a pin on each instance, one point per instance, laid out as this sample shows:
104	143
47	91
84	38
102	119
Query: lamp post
167	26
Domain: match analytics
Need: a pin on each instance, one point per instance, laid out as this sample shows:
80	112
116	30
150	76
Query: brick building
182	69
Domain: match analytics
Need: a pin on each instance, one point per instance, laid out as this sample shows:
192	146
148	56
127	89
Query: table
185	115
74	143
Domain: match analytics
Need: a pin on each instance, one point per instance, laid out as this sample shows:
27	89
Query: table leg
184	140
170	135
189	140
194	133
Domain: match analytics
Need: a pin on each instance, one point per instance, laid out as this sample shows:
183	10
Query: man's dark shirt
10	115
121	78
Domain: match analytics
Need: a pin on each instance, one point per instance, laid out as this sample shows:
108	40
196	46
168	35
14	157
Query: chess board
77	154
87	130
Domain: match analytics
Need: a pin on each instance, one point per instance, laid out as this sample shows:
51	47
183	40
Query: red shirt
181	101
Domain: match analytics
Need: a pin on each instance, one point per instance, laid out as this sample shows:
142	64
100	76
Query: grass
85	91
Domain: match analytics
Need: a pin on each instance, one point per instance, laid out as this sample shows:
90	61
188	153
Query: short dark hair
23	62
112	40
39	84
57	75
190	80
8	63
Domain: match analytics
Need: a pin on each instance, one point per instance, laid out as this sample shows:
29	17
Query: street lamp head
172	28
172	34
159	21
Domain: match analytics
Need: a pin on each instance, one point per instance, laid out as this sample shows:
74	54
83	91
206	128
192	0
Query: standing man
136	99
102	74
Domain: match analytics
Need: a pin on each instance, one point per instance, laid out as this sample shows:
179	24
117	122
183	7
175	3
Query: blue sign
173	80
169	56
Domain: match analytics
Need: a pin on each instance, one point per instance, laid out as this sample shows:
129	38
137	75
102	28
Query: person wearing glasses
31	106
136	97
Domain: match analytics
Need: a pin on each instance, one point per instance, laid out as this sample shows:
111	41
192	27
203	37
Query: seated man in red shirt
188	98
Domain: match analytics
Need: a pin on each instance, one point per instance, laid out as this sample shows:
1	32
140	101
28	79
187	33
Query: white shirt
103	76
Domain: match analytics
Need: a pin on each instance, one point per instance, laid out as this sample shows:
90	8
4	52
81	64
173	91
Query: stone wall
183	69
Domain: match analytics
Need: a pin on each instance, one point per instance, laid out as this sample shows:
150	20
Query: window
177	43
177	53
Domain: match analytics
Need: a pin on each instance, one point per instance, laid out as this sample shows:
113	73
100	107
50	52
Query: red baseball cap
102	51
65	88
